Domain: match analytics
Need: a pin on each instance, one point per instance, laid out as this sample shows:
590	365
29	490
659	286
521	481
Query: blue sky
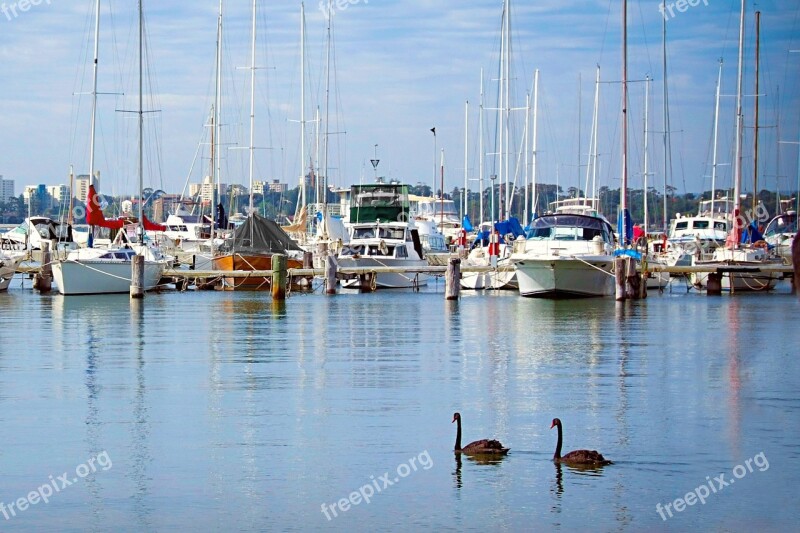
401	68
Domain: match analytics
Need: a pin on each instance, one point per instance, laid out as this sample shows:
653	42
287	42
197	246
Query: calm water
209	412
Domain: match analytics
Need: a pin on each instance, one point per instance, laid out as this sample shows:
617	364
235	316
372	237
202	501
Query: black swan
478	447
577	457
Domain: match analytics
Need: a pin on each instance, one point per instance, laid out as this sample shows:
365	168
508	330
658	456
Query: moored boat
566	255
382	234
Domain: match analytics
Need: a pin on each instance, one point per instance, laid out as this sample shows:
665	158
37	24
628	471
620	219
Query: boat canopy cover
571	221
260	235
504	228
511	226
466	224
624	218
751	234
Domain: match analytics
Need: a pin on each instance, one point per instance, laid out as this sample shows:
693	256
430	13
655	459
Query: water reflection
457	473
478	459
559	481
140	428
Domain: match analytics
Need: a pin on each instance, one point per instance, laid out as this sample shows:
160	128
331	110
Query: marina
357	268
237	415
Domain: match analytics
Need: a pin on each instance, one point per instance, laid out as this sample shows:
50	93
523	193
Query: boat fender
462	238
494	244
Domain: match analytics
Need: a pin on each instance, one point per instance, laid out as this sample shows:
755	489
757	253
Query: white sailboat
109	271
735	255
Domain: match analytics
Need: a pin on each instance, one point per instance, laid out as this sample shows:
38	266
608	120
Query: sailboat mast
527	168
739	134
466	158
507	112
665	108
535	139
623	193
481	154
580	117
646	169
141	123
596	122
716	136
324	187
590	156
302	106
94	91
501	108
218	108
755	118
252	104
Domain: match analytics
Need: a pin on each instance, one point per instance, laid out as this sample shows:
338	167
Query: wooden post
619	276
330	274
631	287
453	279
43	281
137	277
367	283
308	260
279	276
714	284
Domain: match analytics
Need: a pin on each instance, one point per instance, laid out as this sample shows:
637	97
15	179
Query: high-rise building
82	186
6	189
205	190
59	195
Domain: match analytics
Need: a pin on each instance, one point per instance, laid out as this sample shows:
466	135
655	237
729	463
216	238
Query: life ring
383	248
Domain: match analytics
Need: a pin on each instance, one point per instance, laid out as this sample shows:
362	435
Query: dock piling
714	284
43	280
279	276
137	277
453	279
619	276
330	274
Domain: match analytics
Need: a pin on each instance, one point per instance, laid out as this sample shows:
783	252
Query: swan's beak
552	425
454	419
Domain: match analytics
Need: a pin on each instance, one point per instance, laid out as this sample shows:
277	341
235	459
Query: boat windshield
781	224
568	228
382	232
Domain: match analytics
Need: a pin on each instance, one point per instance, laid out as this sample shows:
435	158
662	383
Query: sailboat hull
247	262
740	281
101	277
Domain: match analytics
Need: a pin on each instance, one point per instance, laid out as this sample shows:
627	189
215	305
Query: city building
6	189
205	191
82	186
277	186
59	195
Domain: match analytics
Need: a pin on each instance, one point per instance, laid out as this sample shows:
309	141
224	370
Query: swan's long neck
458	435
557	455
